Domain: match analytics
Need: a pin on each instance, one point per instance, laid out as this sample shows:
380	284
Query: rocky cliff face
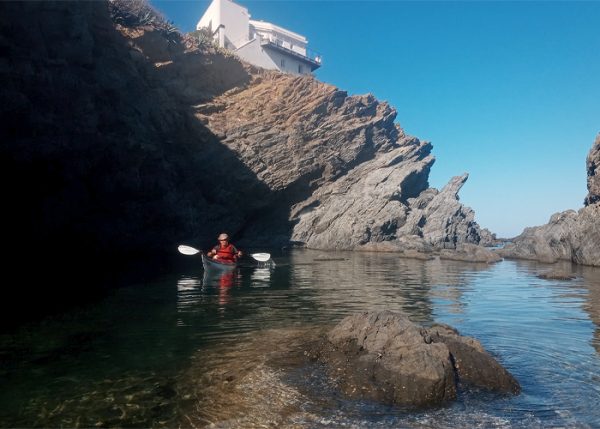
102	159
122	139
345	175
593	173
570	235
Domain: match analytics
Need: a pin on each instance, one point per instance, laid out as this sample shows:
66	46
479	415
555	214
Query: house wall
232	16
255	54
286	38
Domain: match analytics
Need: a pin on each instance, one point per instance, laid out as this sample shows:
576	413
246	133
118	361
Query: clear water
189	349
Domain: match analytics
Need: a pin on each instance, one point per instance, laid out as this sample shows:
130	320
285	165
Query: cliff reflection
347	282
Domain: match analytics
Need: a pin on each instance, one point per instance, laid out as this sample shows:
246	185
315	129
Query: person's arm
236	252
212	252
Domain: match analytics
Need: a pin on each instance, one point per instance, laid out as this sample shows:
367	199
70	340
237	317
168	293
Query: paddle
188	250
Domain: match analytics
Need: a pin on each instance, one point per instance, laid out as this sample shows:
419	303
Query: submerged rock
556	275
383	356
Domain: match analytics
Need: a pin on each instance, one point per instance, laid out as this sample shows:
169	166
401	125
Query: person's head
223	238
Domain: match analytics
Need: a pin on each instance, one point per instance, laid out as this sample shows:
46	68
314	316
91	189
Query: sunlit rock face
570	235
344	174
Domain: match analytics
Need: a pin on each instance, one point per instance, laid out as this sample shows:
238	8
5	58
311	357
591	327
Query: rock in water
383	356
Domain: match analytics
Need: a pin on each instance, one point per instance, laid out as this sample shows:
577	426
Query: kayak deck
209	263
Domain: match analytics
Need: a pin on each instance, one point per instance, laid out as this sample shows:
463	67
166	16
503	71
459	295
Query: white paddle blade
261	257
187	250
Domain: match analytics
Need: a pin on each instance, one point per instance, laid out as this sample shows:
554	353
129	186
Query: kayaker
224	251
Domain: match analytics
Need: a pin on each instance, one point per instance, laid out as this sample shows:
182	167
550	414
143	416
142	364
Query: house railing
311	55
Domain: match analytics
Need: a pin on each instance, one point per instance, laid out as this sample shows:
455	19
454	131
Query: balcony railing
312	57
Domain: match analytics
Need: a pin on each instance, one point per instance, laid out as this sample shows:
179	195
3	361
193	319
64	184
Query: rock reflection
346	282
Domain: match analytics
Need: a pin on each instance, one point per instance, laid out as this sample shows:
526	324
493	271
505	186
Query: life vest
226	253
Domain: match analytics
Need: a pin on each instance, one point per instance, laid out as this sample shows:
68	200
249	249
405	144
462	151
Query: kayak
215	264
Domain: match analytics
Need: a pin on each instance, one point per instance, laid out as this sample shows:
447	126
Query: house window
282	63
300	68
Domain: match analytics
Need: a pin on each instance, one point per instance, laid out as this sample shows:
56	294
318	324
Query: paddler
224	251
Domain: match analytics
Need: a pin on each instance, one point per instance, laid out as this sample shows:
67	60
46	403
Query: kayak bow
209	263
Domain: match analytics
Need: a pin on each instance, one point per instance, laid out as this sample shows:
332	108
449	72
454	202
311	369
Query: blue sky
506	91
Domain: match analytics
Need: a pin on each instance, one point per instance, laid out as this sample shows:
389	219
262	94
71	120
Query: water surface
188	348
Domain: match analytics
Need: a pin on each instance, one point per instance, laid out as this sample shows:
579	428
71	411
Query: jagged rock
570	235
444	221
383	356
488	238
470	253
593	174
344	172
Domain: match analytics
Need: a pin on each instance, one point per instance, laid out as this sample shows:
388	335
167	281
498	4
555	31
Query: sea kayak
212	264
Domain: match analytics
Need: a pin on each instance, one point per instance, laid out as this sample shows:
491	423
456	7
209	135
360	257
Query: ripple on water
207	339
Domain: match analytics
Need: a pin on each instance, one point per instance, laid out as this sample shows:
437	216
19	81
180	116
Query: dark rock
385	357
473	364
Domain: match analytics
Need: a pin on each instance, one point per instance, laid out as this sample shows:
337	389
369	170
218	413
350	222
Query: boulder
383	356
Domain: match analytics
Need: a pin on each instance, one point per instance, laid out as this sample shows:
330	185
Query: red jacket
226	253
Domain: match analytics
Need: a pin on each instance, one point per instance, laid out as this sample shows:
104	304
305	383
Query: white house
260	43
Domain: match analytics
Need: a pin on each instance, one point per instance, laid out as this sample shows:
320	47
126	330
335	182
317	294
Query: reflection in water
586	286
383	281
194	344
187	293
261	277
191	290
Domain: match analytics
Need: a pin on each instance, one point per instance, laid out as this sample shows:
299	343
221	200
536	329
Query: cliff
103	162
124	138
570	235
344	174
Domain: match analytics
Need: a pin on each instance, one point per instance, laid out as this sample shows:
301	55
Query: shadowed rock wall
102	160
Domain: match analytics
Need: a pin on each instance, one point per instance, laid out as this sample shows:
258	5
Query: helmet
223	236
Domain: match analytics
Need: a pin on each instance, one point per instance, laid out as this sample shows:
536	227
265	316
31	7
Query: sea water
188	349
